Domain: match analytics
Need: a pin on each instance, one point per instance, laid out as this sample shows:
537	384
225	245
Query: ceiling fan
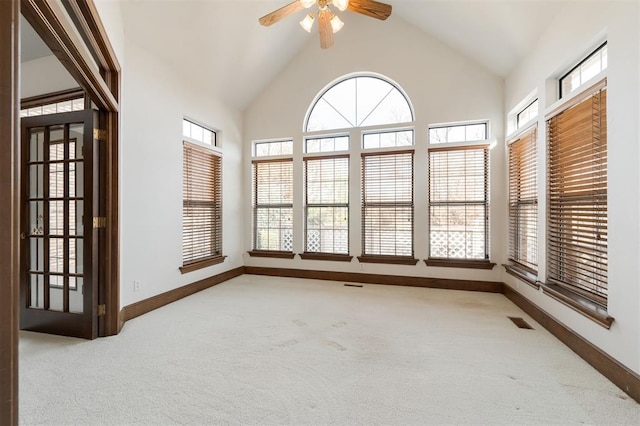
328	22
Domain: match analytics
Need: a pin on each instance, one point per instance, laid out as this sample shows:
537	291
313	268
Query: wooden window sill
394	260
579	303
190	267
523	274
460	263
269	253
326	256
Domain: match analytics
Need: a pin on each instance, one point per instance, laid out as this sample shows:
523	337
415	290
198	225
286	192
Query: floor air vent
352	285
520	323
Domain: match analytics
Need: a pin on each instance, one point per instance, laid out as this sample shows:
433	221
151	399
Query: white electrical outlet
136	285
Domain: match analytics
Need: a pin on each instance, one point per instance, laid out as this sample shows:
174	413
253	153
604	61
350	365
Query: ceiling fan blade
372	8
324	26
283	12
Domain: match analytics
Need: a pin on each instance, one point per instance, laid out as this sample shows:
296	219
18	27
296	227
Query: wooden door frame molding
9	214
91	60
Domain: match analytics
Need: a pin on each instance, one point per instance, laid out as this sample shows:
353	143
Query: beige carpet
260	350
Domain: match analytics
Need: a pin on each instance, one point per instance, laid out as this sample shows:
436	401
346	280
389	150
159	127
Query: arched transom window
359	101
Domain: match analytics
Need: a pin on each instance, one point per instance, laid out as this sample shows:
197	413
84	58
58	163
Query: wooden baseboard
617	373
443	283
142	307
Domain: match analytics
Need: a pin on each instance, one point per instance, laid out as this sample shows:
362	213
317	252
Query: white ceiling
221	46
31	45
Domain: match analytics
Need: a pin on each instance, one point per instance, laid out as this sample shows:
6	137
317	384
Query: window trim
343	78
462	262
589	304
306	205
578	65
204	262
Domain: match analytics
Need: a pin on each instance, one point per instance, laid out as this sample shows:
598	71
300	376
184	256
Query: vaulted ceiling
221	46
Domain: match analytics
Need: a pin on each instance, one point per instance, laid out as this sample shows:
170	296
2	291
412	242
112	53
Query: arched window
360	101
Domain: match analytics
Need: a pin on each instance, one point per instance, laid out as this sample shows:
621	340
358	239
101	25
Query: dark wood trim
139	308
579	303
201	264
52	98
522	274
427	282
620	375
393	260
9	213
326	256
274	254
44	19
460	263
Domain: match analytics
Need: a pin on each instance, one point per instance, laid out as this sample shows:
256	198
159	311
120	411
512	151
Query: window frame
528	138
457	146
256	207
464	124
324	255
383	258
583	83
589	303
215	255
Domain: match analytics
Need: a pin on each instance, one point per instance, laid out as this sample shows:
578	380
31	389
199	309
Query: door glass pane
36	254
76	299
56	217
76	138
56	180
55	292
37	291
56	136
35	181
35	144
79	255
75	256
76	176
76	214
56	255
36	221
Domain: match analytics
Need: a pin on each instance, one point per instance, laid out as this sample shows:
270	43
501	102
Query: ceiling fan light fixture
336	24
307	22
341	4
307	3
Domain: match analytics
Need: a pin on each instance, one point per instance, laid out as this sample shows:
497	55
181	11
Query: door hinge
102	310
100	134
99	222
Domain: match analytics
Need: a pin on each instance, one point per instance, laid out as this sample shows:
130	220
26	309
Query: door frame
103	86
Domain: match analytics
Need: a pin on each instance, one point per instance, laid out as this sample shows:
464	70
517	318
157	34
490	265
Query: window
591	66
53	103
527	114
272	148
458	133
327	204
201	207
459	203
358	102
198	133
523	200
273	205
387	139
387	205
577	194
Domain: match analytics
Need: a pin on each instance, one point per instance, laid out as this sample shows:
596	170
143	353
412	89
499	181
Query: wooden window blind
202	204
387	204
326	182
523	200
273	205
577	191
459	203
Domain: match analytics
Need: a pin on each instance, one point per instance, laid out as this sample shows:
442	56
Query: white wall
443	86
44	75
154	102
573	33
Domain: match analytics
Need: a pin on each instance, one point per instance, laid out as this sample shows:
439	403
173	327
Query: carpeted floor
262	350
